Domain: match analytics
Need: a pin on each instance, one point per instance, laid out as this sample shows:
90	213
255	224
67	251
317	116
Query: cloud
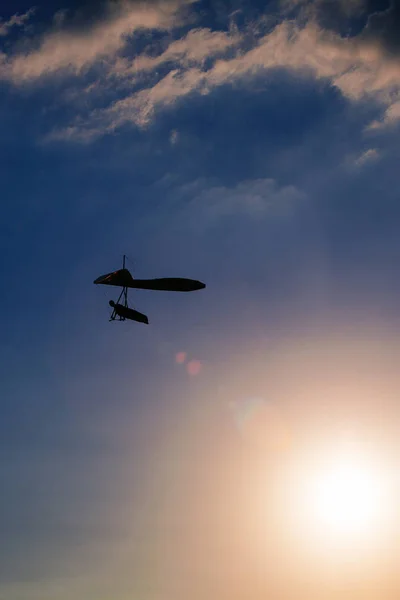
193	49
392	114
356	69
383	29
174	137
200	61
255	199
15	21
344	17
390	118
367	156
318	8
372	21
78	50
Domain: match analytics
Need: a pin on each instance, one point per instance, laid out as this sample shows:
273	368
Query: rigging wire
130	261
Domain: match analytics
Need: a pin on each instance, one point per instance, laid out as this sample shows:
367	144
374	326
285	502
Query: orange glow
277	478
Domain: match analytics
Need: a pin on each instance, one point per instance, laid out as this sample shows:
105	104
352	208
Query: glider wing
123	278
169	284
120	278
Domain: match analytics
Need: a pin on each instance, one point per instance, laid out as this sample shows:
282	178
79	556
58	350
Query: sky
253	146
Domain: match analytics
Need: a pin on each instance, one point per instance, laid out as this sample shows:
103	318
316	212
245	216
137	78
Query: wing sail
123	278
168	284
120	278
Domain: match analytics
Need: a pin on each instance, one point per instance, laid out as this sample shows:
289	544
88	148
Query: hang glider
123	278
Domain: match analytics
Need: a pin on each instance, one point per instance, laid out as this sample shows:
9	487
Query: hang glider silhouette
123	278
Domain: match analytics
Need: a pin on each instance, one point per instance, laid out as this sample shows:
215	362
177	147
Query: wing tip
196	285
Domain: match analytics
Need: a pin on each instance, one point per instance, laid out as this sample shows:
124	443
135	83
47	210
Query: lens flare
261	424
180	357
194	367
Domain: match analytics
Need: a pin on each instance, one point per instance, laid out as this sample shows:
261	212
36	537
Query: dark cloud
373	21
75	15
219	13
348	18
259	129
383	27
78	14
74	12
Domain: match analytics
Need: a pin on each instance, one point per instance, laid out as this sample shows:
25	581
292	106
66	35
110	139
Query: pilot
128	313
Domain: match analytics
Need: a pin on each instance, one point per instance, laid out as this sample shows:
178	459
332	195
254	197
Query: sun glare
339	500
346	496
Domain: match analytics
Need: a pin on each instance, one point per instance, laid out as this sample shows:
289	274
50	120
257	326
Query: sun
345	496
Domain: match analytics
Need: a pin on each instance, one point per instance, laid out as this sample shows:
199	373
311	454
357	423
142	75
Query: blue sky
253	146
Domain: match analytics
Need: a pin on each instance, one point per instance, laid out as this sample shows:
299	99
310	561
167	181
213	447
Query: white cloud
256	198
370	155
391	117
76	51
15	21
174	137
358	68
392	114
193	49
